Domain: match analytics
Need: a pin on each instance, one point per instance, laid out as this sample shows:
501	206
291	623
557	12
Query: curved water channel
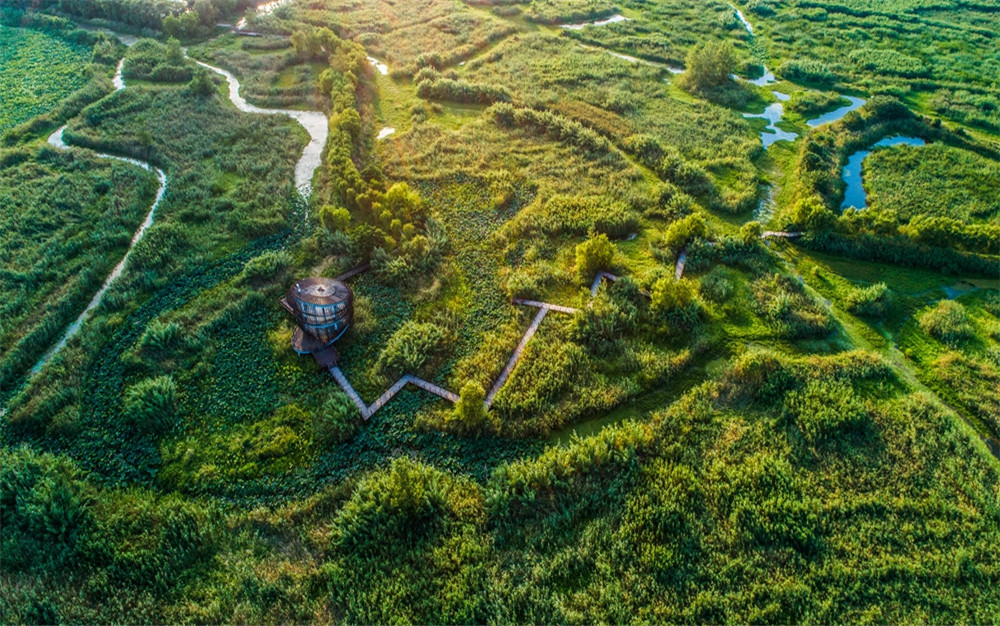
314	122
854	195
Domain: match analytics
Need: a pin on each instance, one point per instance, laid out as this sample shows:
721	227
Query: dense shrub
784	304
827	413
45	511
336	421
150	404
470	414
151	60
807	72
596	253
440	88
411	348
947	322
871	301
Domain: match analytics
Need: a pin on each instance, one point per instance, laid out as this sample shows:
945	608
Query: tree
670	294
592	255
175	54
335	219
710	65
201	83
470	412
750	233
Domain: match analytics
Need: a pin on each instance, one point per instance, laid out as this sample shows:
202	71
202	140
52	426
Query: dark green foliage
413	527
46	511
162	63
336	421
411	348
151	404
784	304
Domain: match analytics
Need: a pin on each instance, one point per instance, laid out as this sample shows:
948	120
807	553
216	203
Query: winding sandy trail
314	122
56	140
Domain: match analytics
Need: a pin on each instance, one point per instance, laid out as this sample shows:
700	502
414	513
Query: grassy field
67	220
39	70
793	431
936	180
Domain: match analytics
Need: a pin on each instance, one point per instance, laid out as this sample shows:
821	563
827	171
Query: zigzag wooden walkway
543	308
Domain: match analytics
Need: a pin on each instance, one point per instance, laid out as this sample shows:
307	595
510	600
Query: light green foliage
594	254
871	301
826	412
784	304
470	414
683	232
750	233
709	66
670	295
335	219
947	321
933	180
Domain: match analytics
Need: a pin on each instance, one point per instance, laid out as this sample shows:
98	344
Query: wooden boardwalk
516	356
783	234
594	286
546	306
543	309
679	268
367	411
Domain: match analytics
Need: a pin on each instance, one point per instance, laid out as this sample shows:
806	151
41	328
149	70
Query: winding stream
56	140
773	114
382	68
836	114
854	195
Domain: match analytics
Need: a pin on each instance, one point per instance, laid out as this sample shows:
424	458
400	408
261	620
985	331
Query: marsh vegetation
781	416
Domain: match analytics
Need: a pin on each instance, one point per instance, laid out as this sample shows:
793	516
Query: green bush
872	301
151	404
827	413
470	414
336	421
947	322
596	253
715	286
45	511
411	348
